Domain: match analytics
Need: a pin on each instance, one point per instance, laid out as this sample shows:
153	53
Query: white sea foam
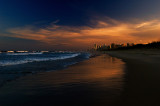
24	53
38	59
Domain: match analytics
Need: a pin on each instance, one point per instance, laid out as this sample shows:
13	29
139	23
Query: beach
93	82
115	78
79	52
142	86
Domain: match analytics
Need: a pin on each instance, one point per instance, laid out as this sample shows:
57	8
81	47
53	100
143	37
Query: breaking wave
24	53
35	59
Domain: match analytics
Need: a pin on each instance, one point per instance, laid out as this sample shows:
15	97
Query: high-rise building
95	46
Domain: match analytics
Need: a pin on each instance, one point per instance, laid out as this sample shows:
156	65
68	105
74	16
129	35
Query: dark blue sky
72	12
41	13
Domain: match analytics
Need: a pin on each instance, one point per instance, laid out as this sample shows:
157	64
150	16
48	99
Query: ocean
15	65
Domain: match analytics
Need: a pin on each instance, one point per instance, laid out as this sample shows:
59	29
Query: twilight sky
76	24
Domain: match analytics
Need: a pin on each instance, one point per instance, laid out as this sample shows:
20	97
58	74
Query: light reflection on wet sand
98	81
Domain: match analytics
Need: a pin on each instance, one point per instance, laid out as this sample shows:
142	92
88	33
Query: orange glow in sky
103	32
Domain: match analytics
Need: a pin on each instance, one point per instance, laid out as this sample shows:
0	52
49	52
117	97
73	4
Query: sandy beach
125	78
142	86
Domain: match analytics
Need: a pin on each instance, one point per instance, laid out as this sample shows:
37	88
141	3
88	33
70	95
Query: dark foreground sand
99	81
142	85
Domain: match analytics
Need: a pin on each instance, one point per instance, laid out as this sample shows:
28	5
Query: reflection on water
106	69
97	81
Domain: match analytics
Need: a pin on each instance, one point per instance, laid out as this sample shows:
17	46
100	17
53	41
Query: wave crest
24	53
36	59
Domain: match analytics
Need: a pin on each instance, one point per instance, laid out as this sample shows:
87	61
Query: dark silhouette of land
128	46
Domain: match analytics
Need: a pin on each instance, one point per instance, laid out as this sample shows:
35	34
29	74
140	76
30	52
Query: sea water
14	65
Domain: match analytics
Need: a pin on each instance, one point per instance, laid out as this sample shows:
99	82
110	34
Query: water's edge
13	72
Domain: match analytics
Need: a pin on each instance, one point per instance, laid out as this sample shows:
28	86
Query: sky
76	24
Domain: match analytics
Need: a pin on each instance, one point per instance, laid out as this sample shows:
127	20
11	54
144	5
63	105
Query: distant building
123	45
128	44
132	44
44	51
112	46
95	46
21	51
10	51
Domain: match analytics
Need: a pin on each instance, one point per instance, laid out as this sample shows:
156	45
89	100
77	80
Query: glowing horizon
76	25
102	32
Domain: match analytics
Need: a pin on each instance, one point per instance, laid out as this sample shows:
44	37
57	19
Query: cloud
99	31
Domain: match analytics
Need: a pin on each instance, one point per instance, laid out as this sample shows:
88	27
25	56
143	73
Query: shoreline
92	81
30	73
97	81
148	56
142	77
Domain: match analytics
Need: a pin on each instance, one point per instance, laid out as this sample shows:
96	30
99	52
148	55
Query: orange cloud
101	32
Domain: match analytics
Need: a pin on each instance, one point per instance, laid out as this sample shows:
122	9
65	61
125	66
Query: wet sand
126	78
98	81
142	87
